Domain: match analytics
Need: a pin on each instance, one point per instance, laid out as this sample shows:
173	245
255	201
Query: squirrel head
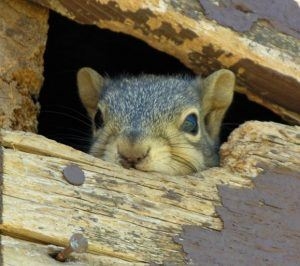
165	124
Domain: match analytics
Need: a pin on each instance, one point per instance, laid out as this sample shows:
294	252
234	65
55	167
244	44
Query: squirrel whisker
60	106
66	115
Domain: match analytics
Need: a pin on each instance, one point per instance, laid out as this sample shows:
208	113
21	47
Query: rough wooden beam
23	35
129	217
265	60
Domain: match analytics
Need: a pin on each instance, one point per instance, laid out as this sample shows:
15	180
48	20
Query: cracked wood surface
129	217
266	61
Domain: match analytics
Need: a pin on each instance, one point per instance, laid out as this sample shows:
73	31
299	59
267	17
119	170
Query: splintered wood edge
127	214
255	144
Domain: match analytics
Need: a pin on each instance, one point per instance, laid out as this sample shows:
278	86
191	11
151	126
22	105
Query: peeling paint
183	31
208	58
142	19
261	225
242	14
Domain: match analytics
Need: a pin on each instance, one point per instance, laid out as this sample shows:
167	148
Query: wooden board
265	58
129	217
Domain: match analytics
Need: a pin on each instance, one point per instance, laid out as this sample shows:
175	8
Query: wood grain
128	216
266	61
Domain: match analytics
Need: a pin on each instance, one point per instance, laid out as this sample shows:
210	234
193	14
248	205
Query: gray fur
138	103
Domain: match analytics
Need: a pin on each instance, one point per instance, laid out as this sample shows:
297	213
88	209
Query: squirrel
164	124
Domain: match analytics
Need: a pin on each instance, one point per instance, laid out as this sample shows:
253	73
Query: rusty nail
78	243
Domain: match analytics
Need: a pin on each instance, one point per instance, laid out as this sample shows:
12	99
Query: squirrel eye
98	119
190	124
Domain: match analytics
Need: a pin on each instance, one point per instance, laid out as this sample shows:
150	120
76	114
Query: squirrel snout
130	157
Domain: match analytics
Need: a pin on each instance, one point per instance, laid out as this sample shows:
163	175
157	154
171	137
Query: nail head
78	243
74	175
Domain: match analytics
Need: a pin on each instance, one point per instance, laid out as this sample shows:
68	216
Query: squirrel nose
129	158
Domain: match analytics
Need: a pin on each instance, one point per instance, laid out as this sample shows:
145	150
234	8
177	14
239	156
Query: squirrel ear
89	84
217	94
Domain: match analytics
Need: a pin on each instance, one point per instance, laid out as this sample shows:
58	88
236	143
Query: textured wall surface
23	36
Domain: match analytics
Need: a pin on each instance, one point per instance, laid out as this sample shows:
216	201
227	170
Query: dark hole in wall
71	46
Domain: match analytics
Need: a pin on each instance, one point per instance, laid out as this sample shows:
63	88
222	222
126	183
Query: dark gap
243	110
71	46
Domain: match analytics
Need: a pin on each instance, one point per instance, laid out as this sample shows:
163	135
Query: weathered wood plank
266	61
127	215
272	144
23	36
